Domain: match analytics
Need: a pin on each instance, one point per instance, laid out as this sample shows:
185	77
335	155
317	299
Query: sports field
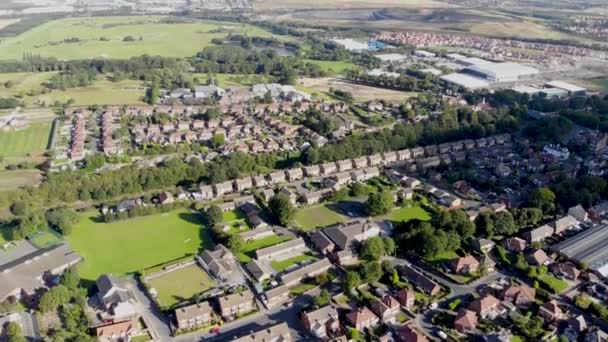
82	38
181	285
317	216
128	246
31	140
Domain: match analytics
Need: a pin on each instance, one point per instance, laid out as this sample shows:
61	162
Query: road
157	322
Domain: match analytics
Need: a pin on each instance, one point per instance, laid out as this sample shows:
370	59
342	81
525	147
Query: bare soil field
265	5
361	93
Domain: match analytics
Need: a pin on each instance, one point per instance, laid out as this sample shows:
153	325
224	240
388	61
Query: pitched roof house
258	270
407	333
537	258
220	261
520	295
465	321
465	265
276	333
194	316
235	304
539	234
321	322
514	244
121	331
550	311
354	232
406	297
485	306
362	318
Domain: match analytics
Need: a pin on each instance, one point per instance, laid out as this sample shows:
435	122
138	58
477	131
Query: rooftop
588	247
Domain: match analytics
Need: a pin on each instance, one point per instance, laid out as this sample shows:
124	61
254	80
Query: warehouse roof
502	70
588	247
466	81
565	86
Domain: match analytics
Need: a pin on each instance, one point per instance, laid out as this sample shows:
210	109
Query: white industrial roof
432	71
466	81
392	57
525	89
351	44
380	72
503	70
566	86
424	53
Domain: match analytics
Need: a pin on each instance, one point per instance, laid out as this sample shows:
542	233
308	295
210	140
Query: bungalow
294	174
465	321
322	322
374	159
328	168
486	306
221	189
194	316
550	311
322	243
258	270
465	265
419	280
276	296
362	318
256	234
406	297
312	171
277	177
236	304
243	184
311	270
344	165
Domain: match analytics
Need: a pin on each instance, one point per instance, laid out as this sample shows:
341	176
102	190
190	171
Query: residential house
276	333
374	159
315	197
362	318
227	206
282	251
221	189
259	181
294	174
514	244
486	306
596	336
337	180
371	172
236	304
194	316
565	223
344	165
537	258
322	243
359	163
577	326
345	258
267	194
276	296
406	297
465	321
389	157
417	152
277	177
352	233
579	213
258	270
311	270
483	245
565	269
519	295
312	171
115	298
386	308
220	262
539	234
407	333
291	194
465	265
404	155
404	194
550	311
419	280
258	233
322	323
243	184
328	168
119	331
165	197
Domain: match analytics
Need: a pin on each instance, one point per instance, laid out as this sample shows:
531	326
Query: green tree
504	224
218	140
13	333
544	199
485	225
323	298
214	215
70	278
372	249
281	209
20	208
371	272
53	298
379	203
236	243
359	189
352	281
62	219
389	245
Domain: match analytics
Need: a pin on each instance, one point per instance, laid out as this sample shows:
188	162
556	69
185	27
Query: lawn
236	221
181	285
443	257
45	239
301	288
332	67
407	213
250	247
31	140
93	37
280	266
555	283
317	216
128	246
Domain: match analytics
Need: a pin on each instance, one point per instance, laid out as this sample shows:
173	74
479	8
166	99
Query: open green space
31	140
44	239
236	221
181	285
317	216
407	213
93	37
131	245
555	283
301	288
280	266
232	80
249	248
332	67
445	256
10	180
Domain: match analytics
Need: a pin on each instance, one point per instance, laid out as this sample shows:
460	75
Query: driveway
157	322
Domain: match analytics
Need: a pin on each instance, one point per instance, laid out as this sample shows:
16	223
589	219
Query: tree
323	298
387	266
352	281
214	215
70	278
62	219
218	140
359	189
236	243
379	203
19	208
485	225
373	249
14	333
152	94
544	199
53	298
372	272
281	209
389	245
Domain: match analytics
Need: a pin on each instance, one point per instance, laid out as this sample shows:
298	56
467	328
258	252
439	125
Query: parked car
215	331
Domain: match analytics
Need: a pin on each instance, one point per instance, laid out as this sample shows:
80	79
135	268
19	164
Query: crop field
120	37
30	140
265	5
131	245
181	285
317	216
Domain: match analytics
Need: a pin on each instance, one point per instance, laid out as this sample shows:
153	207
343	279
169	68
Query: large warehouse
501	72
589	247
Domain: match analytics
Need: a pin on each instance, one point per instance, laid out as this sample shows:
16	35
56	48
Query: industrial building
588	247
466	81
501	72
572	89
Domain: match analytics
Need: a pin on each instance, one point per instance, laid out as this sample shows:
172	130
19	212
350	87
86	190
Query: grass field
31	140
45	239
317	216
181	285
407	213
280	266
103	37
249	248
558	284
236	220
232	80
332	67
128	246
10	180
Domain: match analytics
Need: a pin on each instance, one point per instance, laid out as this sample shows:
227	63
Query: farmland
81	38
128	246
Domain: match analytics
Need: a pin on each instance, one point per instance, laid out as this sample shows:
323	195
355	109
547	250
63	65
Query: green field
332	67
181	285
231	80
10	180
31	140
128	246
249	248
406	214
280	266
557	284
103	37
317	216
45	239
